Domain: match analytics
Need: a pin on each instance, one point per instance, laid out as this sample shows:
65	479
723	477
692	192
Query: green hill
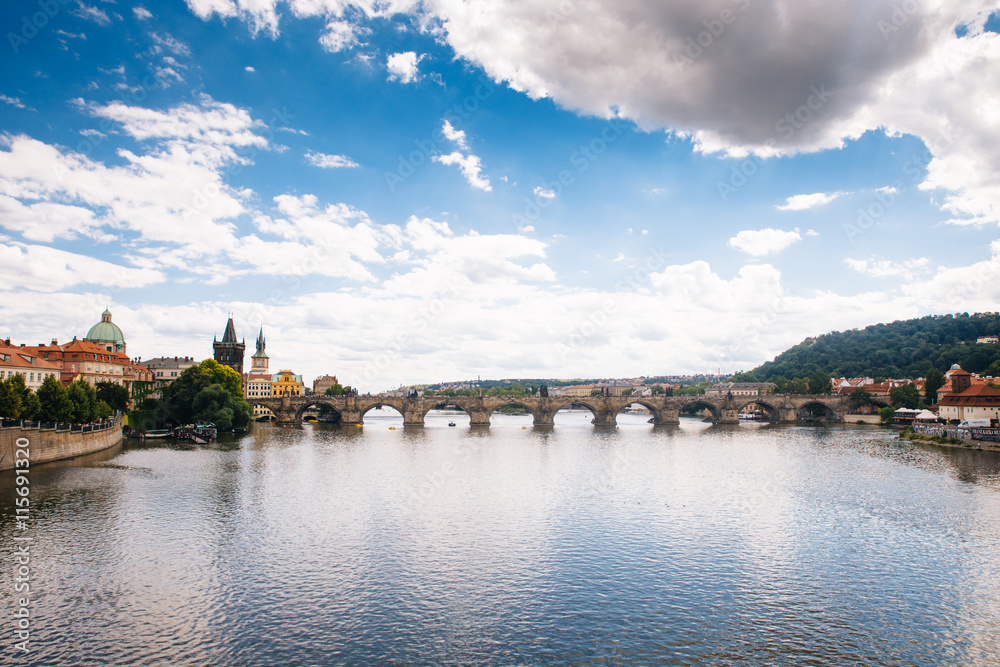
901	349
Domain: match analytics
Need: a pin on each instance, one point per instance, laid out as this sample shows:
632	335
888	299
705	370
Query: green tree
208	392
83	399
860	397
115	395
905	396
744	377
10	401
933	382
335	390
886	415
819	383
30	405
54	403
657	391
994	369
103	410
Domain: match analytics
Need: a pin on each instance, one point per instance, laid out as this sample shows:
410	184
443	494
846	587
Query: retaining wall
55	444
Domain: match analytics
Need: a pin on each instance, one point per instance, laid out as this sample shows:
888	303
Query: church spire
230	335
261	343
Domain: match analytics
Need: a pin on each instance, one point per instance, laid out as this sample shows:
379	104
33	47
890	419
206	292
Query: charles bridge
785	408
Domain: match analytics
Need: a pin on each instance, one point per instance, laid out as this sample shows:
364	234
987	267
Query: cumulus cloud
142	13
329	161
47	269
403	66
805	202
761	242
340	36
884	268
470	165
539	191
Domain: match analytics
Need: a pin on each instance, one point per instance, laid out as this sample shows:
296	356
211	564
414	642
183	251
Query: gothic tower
227	351
259	358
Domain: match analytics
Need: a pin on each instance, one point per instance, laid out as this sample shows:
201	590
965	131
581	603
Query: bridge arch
302	408
711	407
446	401
815	410
649	405
535	414
376	406
773	413
570	401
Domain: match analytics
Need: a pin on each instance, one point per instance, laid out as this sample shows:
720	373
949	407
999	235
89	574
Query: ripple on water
682	545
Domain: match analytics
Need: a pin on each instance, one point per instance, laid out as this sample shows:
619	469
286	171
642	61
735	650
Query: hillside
901	349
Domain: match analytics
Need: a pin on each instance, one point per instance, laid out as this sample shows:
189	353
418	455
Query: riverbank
950	442
56	442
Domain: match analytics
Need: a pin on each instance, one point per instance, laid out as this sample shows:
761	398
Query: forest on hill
901	349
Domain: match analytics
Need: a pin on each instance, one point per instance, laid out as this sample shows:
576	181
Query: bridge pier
351	417
729	416
606	418
479	417
669	416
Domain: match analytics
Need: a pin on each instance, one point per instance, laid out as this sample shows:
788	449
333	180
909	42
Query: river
689	545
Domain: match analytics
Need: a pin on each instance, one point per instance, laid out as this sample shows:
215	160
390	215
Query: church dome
106	332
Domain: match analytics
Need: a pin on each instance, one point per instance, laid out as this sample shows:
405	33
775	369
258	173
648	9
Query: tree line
77	403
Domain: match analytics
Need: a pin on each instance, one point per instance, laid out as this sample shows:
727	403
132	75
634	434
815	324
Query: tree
744	377
886	415
208	392
994	369
860	397
819	383
83	401
933	382
54	403
905	396
10	401
30	405
657	391
335	390
115	395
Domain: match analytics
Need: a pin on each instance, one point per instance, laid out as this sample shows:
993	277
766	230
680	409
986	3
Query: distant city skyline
406	193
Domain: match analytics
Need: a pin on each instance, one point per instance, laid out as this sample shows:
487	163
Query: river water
697	544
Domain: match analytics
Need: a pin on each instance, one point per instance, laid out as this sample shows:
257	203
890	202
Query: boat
158	433
451	423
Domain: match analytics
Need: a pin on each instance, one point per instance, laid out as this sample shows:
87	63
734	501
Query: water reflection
686	544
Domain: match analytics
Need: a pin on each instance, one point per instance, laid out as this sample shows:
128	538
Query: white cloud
619	258
46	269
403	66
805	202
456	136
471	167
339	36
98	16
884	268
249	68
330	161
13	101
142	13
543	193
764	241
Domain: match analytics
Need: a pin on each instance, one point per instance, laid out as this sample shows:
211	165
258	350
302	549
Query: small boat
451	423
158	433
392	428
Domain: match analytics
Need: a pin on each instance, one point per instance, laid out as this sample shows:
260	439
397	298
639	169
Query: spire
261	344
230	335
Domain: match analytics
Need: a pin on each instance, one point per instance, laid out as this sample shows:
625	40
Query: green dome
107	331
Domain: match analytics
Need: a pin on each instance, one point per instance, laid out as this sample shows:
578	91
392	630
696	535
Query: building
988	339
257	383
165	370
287	383
25	361
322	383
740	389
106	334
981	401
228	351
95	363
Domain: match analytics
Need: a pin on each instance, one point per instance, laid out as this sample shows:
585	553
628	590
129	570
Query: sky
405	192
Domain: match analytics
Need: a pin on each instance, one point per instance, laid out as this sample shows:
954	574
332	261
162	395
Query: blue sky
408	192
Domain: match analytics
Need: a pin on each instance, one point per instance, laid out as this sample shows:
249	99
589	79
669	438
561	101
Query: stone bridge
665	409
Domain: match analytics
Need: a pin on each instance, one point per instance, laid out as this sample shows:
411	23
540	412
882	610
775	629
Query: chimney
55	342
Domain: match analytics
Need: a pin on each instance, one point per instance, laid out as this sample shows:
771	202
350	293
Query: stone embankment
55	442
